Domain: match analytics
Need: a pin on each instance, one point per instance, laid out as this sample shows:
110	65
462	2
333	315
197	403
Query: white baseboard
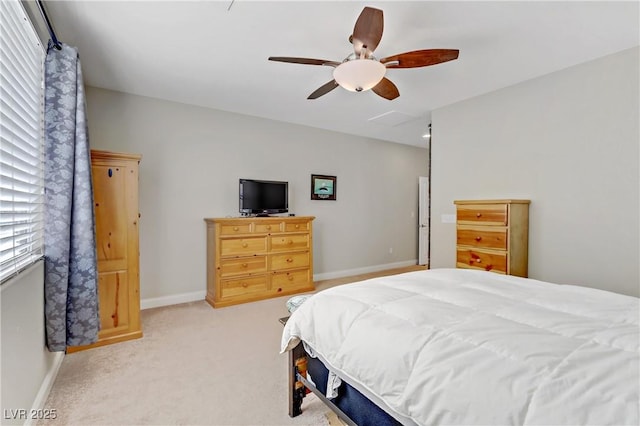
45	387
365	270
195	296
174	299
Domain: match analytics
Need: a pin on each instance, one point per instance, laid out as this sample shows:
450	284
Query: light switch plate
448	218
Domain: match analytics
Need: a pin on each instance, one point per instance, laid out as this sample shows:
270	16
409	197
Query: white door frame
424	195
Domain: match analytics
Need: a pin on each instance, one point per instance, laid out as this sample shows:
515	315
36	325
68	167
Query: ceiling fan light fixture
359	75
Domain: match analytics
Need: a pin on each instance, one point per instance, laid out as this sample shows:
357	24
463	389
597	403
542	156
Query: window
21	141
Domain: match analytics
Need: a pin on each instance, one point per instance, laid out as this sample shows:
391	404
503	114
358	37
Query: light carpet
195	365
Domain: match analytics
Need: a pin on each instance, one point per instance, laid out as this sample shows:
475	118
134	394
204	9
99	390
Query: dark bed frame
298	385
351	406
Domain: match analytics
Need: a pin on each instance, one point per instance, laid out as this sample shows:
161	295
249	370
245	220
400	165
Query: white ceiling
214	53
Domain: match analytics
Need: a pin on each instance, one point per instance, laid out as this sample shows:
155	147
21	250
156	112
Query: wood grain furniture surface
115	193
493	235
255	258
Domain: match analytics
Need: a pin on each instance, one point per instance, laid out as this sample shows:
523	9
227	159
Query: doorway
423	220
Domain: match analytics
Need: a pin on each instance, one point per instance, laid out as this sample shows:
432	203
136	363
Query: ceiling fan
360	70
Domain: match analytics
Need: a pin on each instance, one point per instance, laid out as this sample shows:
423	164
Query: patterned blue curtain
71	295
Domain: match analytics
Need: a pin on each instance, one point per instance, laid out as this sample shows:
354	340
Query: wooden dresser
115	194
256	258
493	235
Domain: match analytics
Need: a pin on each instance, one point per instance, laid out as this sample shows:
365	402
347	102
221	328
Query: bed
459	346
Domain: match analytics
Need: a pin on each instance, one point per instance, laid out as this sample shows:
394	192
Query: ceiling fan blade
304	61
323	90
367	31
421	58
386	89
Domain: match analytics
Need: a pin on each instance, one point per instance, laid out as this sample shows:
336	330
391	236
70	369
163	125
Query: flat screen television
263	197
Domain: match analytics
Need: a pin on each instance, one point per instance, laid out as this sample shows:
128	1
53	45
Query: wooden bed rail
298	385
296	388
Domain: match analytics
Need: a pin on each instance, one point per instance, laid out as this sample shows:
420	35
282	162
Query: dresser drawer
295	226
485	214
235	229
284	282
289	242
266	228
479	259
243	265
482	237
289	261
243	286
240	246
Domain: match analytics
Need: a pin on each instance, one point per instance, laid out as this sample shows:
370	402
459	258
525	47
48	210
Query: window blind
21	141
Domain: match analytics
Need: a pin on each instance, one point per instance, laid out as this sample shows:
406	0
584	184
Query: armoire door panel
113	291
110	189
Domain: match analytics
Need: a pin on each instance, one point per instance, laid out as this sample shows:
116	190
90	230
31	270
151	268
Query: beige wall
28	368
193	158
569	141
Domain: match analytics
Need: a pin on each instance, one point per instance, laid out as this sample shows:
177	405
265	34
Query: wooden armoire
115	193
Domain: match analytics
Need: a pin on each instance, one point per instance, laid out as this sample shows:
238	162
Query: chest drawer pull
478	214
235	228
245	285
289	260
245	245
244	265
478	238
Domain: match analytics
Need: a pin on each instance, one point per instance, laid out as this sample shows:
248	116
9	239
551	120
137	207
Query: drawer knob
279	289
478	260
235	228
244	265
245	245
290	242
290	277
245	285
297	226
289	260
478	238
478	214
268	227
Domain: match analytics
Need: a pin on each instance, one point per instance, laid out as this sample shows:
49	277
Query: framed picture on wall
323	187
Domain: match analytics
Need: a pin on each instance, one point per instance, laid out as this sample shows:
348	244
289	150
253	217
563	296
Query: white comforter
454	346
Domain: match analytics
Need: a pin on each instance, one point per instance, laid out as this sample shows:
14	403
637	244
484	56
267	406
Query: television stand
257	258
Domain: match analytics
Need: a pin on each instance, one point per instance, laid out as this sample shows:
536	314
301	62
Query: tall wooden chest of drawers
493	235
256	258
